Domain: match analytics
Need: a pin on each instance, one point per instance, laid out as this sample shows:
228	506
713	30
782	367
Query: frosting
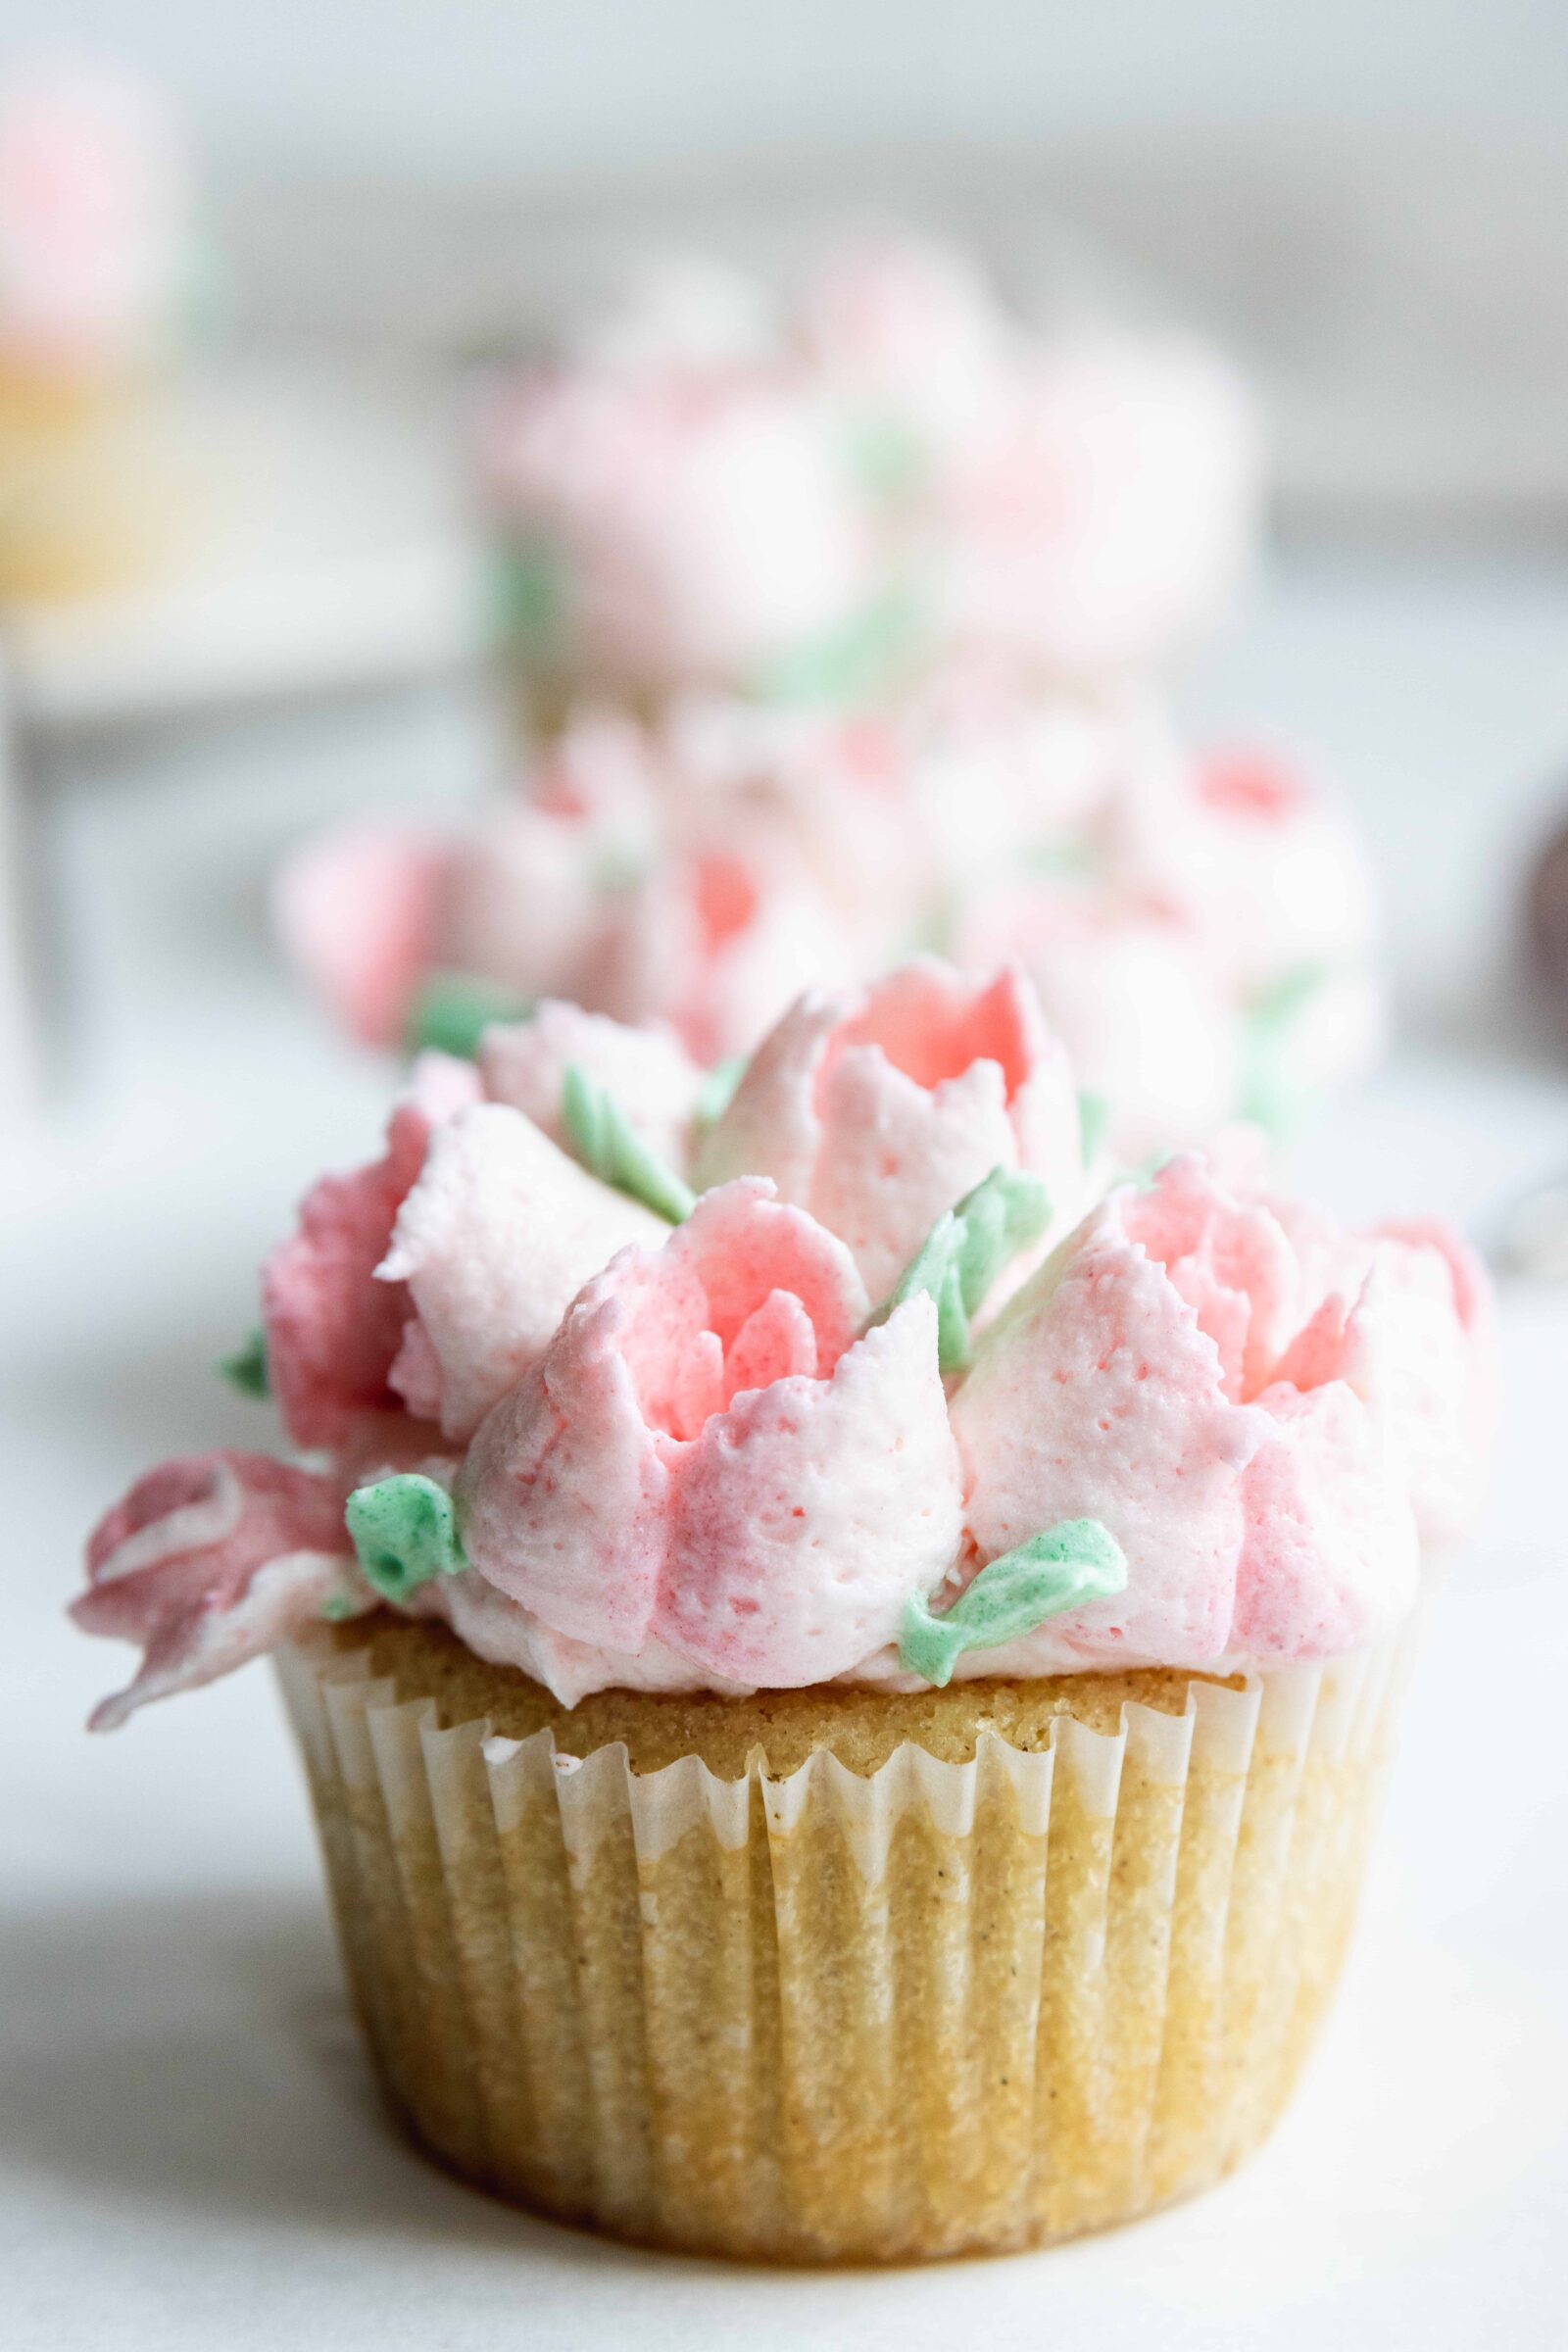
1199	929
95	232
1011	1596
814	497
805	1432
610	1146
965	1250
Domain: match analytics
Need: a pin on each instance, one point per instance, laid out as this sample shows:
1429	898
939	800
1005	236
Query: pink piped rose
710	1456
878	1113
645	1066
209	1561
1237	1392
333	1331
490	1245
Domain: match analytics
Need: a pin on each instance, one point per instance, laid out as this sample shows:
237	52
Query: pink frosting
707	1456
208	1562
722	484
697	519
95	232
876	1113
647	1069
1252	1402
358	910
1108	511
333	1330
693	1456
1201	931
498	1235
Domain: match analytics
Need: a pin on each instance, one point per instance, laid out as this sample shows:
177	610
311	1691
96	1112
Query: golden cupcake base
984	1992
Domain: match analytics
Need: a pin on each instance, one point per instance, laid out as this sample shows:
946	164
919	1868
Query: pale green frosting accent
1093	1119
609	1148
246	1368
405	1532
529	592
718	1090
887	457
1076	1561
851	664
453	1010
1268	1092
965	1250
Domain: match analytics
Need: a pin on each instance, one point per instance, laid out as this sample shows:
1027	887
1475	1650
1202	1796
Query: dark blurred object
1547	921
1533	1239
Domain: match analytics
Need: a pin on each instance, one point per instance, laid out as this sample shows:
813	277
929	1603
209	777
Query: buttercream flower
209	1561
1128	988
333	1331
646	1069
1267	866
678	527
358	911
708	1454
909	335
1108	514
1233	1394
878	1113
497	1236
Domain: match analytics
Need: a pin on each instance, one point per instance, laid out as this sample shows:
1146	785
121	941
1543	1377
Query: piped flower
209	1561
645	1069
333	1330
707	1456
1232	1388
489	1247
877	1114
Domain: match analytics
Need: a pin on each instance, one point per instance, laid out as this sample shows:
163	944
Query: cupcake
810	501
844	1680
1199	926
96	273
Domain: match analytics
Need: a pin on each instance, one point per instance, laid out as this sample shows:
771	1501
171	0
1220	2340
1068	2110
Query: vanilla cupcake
808	502
1200	927
854	1683
96	278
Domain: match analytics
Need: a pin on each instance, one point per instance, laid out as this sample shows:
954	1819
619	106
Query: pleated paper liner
939	2008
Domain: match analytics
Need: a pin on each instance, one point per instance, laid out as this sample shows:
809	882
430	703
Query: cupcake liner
937	2008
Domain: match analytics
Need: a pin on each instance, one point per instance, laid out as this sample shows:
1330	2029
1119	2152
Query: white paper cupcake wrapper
833	2017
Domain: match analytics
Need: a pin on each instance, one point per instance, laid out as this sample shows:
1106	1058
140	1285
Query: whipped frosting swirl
728	1450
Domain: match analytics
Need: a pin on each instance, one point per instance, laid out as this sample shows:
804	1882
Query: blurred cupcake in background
98	260
812	502
1200	929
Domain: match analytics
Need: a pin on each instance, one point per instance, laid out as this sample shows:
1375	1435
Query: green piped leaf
965	1250
610	1148
1269	1092
1076	1561
453	1010
405	1532
718	1090
851	664
1093	1118
246	1369
529	595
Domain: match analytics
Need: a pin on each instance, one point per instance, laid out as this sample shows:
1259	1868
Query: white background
530	87
190	2153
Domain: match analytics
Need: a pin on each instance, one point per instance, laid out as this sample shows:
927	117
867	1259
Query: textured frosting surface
1201	930
829	1390
807	499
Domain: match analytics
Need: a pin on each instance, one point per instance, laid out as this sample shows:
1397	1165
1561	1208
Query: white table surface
190	2153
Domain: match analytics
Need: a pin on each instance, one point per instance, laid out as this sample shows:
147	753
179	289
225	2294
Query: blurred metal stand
20	994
